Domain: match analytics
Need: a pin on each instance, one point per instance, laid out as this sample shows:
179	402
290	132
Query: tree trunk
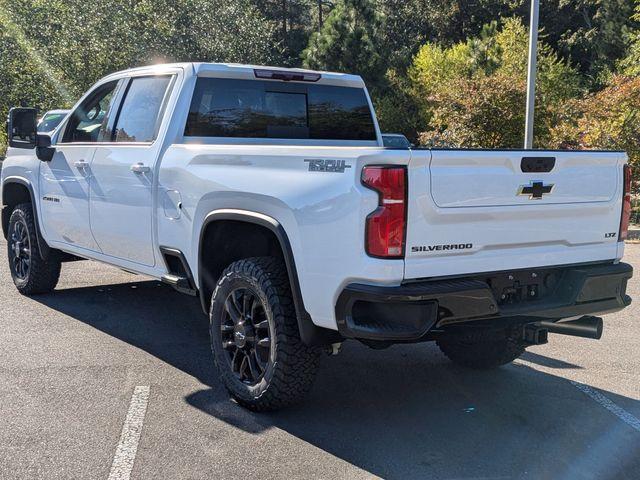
284	22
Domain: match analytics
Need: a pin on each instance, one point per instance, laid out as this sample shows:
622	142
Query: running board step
181	284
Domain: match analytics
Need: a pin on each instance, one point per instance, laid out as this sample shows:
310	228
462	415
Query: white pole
531	76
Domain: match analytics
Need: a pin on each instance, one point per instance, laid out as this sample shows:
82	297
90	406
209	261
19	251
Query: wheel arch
17	190
310	333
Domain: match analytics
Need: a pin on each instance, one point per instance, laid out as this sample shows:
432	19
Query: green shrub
608	119
478	112
473	94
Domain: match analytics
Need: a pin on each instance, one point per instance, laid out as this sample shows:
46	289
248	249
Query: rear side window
264	109
139	114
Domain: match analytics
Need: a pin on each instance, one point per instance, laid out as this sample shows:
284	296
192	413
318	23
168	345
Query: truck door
64	181
122	172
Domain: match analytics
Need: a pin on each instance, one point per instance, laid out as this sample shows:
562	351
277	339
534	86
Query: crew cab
268	194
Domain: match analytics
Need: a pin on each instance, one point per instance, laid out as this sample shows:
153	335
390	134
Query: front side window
139	114
264	109
88	121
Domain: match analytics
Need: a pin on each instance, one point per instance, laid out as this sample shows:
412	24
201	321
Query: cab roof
241	71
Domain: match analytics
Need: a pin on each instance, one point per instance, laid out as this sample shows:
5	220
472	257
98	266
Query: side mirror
44	150
22	127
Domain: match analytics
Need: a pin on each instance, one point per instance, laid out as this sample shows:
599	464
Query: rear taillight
385	227
626	204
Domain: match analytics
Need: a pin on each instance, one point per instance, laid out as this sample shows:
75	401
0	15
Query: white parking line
598	397
618	411
125	455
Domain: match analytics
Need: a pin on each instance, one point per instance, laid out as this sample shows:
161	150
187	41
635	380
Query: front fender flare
43	248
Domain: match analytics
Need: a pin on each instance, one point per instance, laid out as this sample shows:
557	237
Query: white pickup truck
267	193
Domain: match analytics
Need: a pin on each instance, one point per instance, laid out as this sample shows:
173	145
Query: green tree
482	111
25	77
295	21
608	119
412	23
51	51
630	65
396	108
348	41
446	81
591	34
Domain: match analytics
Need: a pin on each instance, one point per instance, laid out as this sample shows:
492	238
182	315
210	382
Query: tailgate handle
537	164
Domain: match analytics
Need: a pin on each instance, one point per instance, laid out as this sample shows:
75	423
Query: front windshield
50	121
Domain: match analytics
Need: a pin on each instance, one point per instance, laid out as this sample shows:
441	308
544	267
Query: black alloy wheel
245	335
20	250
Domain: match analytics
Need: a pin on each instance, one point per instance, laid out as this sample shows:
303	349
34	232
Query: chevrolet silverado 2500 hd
268	194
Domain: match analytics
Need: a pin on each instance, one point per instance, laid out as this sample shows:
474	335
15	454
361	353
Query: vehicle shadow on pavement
404	412
549	362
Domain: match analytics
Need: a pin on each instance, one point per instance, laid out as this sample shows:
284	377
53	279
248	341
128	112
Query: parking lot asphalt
73	362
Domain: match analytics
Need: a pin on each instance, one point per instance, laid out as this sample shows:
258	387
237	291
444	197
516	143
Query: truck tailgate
485	210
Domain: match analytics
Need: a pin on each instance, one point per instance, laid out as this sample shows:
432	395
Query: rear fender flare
310	333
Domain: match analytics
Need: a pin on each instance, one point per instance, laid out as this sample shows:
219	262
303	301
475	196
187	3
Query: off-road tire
291	366
481	354
42	275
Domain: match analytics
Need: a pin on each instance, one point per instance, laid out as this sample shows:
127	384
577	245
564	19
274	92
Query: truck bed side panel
323	213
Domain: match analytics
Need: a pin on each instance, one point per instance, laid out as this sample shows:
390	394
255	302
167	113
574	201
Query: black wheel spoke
253	368
244	364
224	328
232	309
245	335
235	300
20	250
234	360
264	342
263	325
258	361
255	308
247	301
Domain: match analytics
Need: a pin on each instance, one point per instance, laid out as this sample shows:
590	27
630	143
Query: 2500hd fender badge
433	248
326	165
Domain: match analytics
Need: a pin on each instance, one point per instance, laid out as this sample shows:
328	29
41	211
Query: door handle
81	164
140	168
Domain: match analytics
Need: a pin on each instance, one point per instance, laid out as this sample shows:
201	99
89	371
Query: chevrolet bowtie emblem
535	189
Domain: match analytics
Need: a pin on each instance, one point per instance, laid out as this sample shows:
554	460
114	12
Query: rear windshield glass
264	109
